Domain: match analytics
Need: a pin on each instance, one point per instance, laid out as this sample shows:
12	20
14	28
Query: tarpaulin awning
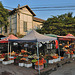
5	40
68	37
52	35
34	36
65	39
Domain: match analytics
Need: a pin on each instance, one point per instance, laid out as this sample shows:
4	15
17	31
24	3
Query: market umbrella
69	35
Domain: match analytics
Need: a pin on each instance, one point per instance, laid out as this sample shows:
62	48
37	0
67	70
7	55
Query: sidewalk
16	70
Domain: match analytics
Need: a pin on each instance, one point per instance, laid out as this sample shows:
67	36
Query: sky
43	3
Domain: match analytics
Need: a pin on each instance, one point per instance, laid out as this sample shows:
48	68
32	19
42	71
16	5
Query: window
25	26
38	26
5	29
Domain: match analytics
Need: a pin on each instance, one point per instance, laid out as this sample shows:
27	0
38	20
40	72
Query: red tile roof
9	10
38	19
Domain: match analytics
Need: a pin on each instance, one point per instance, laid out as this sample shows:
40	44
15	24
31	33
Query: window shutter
25	26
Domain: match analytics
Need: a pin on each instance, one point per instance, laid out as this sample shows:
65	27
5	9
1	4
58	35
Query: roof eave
13	11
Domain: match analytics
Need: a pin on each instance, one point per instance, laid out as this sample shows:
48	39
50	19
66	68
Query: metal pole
38	57
8	50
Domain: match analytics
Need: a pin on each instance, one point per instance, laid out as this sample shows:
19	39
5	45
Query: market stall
33	36
68	37
67	45
5	41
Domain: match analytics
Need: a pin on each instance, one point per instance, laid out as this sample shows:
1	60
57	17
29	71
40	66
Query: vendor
71	53
70	46
68	53
62	53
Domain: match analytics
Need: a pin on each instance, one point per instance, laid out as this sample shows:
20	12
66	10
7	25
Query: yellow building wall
26	16
37	24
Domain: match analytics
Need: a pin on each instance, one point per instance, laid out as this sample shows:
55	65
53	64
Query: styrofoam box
11	61
21	64
74	55
5	62
28	65
1	60
59	59
55	60
50	61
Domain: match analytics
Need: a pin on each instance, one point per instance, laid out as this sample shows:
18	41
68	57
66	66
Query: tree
59	25
3	16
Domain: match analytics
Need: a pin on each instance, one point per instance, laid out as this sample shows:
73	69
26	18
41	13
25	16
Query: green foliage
18	58
59	25
3	16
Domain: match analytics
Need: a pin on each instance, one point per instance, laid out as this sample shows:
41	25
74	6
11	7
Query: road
68	69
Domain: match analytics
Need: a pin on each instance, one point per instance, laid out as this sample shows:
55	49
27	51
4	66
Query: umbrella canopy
5	40
34	36
69	35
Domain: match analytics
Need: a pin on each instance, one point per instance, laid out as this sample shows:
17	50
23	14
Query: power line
9	7
49	8
46	7
53	9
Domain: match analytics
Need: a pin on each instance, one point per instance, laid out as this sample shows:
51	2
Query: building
21	21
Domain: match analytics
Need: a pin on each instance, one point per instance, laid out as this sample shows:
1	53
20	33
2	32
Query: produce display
26	59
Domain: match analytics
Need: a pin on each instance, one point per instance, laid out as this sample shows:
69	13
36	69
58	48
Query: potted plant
2	57
30	57
28	64
55	58
50	59
6	61
16	61
41	65
22	61
11	59
33	63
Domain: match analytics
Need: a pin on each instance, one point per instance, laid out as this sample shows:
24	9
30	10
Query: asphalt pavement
67	69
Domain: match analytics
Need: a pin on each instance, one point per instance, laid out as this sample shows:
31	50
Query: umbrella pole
38	56
58	47
8	50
